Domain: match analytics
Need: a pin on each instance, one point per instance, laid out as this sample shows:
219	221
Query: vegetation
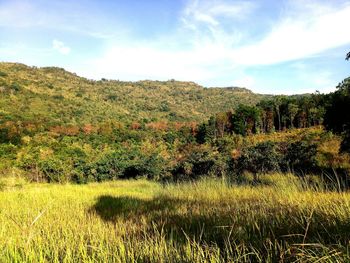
56	97
47	132
233	176
335	119
283	219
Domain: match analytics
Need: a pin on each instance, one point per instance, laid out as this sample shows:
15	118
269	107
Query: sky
268	46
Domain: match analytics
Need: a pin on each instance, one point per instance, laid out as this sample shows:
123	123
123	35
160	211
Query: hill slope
56	96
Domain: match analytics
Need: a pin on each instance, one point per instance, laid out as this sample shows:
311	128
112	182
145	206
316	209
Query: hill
57	96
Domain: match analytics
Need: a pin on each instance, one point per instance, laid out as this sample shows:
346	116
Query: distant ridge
59	96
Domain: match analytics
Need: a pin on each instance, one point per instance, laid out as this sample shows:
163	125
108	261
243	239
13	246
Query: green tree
292	110
245	119
267	115
337	118
223	122
300	157
262	158
277	104
201	133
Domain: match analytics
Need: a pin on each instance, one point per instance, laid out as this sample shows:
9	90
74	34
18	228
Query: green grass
281	219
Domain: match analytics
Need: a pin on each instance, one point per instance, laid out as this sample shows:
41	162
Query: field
282	219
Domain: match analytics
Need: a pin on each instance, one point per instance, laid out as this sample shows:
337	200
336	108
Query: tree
277	104
197	161
300	157
201	133
262	158
223	122
292	110
316	115
345	145
245	119
267	115
337	118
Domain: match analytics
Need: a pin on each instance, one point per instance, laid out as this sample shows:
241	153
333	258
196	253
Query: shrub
15	87
345	144
169	137
112	97
3	74
261	158
110	166
10	135
164	106
58	97
150	167
199	161
300	157
8	151
54	170
124	164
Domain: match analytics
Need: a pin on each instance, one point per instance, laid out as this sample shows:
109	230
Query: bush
3	74
10	135
150	167
199	161
8	151
15	87
54	170
300	157
345	144
110	166
58	97
124	164
262	158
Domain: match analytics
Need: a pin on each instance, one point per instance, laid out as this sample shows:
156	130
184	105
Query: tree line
276	114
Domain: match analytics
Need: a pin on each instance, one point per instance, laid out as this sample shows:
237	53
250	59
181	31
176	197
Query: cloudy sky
280	47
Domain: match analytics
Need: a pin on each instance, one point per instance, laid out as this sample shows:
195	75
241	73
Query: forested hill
56	96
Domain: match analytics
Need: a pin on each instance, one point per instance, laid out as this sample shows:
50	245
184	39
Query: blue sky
279	47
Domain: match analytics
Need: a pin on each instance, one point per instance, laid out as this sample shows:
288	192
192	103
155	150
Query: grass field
280	220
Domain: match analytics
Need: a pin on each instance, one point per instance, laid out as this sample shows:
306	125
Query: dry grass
282	219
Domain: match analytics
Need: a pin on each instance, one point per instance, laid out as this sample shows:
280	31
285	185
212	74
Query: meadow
281	219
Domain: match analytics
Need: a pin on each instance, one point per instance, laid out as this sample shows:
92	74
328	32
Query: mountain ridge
60	96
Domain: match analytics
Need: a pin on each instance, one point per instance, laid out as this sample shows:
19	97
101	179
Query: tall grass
283	219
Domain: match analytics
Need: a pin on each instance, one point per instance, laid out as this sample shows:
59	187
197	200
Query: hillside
56	96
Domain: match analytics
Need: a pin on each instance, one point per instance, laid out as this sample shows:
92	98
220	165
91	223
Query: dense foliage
337	118
58	127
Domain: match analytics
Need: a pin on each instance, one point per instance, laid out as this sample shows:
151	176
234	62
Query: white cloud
60	47
149	62
210	45
211	12
313	32
69	16
204	58
304	29
322	79
219	53
14	14
245	81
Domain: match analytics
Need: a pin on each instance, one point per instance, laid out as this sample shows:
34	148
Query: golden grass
282	219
